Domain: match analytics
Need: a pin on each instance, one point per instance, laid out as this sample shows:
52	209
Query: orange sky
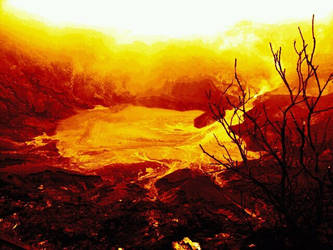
158	19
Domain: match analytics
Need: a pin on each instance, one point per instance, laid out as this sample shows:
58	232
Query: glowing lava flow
102	136
97	137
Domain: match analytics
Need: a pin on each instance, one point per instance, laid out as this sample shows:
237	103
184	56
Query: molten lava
100	137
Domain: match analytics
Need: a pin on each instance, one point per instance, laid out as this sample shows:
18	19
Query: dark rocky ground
55	209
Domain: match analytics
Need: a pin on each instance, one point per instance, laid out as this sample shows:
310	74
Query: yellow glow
171	18
102	136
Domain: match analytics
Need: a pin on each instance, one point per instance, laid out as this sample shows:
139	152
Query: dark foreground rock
56	209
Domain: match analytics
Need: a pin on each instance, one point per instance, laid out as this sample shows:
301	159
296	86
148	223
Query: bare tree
293	138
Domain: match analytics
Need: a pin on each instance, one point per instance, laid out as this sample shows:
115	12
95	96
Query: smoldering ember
198	142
